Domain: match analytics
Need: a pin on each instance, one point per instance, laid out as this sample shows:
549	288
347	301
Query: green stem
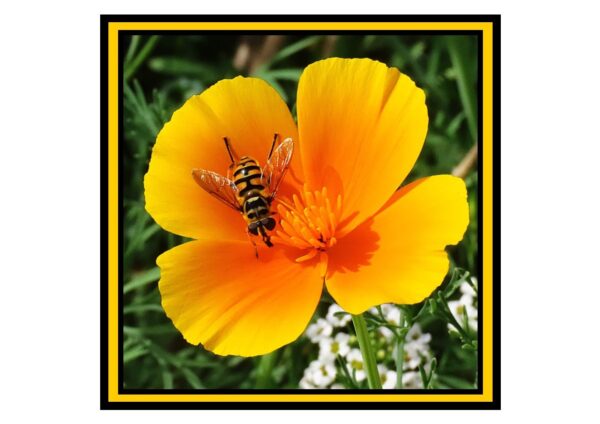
344	368
265	368
400	353
369	362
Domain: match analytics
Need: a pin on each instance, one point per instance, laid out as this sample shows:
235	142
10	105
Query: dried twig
329	45
269	47
462	169
242	54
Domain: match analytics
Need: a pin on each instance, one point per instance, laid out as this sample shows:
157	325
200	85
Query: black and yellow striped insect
253	189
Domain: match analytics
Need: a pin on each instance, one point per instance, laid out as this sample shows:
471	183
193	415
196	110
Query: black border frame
494	404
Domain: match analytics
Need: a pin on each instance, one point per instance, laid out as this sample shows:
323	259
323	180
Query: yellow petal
398	256
220	295
364	121
246	110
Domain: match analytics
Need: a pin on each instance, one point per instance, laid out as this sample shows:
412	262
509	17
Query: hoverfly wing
219	186
277	165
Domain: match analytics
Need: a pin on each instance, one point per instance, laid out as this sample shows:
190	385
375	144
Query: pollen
308	222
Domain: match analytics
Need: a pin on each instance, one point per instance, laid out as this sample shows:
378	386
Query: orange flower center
309	222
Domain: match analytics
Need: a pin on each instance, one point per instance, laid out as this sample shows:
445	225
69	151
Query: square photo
298	212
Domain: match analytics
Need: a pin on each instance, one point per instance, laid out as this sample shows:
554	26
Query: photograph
298	210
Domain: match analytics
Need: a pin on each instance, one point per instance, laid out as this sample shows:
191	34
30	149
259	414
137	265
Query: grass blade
142	279
465	82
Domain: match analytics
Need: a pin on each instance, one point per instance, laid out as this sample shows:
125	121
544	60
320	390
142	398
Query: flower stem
370	364
265	368
400	338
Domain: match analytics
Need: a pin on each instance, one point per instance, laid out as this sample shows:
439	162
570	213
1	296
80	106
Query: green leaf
181	66
142	279
292	74
454	382
464	80
167	378
135	63
134	353
132	309
294	48
192	379
455	124
132	49
273	82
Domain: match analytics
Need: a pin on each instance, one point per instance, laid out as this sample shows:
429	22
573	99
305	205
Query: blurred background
160	72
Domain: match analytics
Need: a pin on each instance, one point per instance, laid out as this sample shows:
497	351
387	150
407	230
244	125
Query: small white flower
319	330
322	374
416	347
337	320
391	313
416	336
306	384
412	380
386	333
467	289
388	378
414	355
329	348
355	361
337	386
460	308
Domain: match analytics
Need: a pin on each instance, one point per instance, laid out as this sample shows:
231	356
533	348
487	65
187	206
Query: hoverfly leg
265	237
267	241
252	241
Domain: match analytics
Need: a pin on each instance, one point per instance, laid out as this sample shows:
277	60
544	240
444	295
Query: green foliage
160	73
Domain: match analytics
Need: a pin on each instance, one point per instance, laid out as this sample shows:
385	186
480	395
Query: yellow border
113	213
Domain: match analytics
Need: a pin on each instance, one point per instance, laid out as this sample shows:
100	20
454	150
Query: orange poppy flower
361	127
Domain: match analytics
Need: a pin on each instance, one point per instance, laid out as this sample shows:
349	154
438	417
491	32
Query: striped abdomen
247	177
252	194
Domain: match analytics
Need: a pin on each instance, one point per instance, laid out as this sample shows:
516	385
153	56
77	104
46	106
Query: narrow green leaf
131	50
292	74
464	81
294	48
135	63
192	379
134	353
273	82
142	279
455	124
167	378
132	309
181	66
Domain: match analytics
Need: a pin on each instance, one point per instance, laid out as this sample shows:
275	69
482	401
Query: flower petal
220	295
364	121
398	256
246	110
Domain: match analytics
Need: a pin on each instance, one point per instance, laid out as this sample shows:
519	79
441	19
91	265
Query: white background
49	211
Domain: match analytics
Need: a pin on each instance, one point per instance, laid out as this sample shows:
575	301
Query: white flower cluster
465	308
416	352
416	348
322	372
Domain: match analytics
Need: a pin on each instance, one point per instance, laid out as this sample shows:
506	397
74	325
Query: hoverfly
253	189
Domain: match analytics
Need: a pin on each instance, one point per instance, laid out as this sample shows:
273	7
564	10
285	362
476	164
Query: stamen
311	254
308	222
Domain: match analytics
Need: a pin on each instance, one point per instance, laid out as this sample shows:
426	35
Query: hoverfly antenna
229	151
275	137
